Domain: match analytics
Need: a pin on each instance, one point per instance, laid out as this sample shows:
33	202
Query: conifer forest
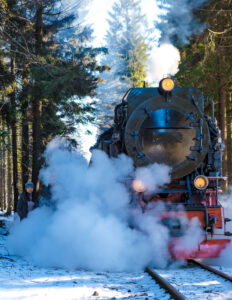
53	77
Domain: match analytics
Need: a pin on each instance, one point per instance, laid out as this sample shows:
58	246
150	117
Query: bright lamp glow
138	186
201	182
167	84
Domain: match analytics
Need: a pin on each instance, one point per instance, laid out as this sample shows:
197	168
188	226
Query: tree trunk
1	182
222	110
1	172
229	144
36	159
4	182
25	153
222	122
14	137
37	103
9	178
25	140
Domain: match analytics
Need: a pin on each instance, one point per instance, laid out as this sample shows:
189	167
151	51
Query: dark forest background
206	63
48	70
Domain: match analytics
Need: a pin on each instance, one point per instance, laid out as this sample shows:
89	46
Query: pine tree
61	78
45	78
127	58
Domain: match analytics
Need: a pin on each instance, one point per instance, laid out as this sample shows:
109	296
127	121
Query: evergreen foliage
47	69
206	64
127	43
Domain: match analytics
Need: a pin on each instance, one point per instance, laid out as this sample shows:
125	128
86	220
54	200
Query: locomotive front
167	125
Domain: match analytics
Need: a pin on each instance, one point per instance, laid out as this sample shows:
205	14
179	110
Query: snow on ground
21	280
196	283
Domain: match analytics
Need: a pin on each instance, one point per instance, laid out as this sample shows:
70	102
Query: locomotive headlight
138	186
201	182
167	84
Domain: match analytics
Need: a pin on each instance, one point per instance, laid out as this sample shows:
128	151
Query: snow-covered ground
20	279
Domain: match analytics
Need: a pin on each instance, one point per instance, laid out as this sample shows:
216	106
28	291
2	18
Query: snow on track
223	269
196	283
21	280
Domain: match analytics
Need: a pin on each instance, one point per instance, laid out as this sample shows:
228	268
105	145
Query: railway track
172	291
210	269
175	293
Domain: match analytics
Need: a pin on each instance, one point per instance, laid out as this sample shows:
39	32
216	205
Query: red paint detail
216	212
206	249
213	191
211	199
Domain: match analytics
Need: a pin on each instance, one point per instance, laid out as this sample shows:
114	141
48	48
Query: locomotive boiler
168	125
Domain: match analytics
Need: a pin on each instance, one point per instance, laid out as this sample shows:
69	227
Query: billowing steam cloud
152	176
177	23
90	224
194	235
164	61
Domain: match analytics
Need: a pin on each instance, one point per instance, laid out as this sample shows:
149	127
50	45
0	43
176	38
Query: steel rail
210	269
165	285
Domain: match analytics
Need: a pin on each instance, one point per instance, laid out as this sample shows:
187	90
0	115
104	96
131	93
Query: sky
98	14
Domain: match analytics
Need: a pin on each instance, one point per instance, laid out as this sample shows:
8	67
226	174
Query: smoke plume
89	222
176	24
153	176
193	236
164	61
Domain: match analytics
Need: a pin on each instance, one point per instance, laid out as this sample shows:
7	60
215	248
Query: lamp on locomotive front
201	182
138	186
167	84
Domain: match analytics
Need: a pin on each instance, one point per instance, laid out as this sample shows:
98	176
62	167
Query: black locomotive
168	125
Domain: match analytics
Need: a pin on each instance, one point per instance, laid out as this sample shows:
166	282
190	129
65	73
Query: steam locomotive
168	125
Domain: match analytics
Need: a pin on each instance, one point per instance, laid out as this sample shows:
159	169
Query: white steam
193	237
153	176
176	24
89	225
164	61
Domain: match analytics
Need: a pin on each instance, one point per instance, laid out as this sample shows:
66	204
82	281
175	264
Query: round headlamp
201	182
167	84
138	186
